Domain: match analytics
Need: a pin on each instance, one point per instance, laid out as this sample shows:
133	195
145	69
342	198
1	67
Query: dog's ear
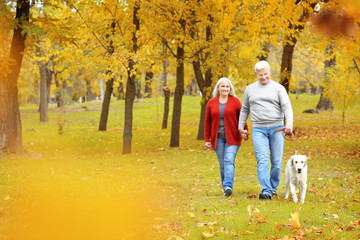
292	161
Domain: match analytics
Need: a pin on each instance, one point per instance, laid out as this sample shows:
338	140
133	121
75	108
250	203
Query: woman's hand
208	144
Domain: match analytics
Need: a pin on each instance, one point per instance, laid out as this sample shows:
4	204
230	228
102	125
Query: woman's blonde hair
216	88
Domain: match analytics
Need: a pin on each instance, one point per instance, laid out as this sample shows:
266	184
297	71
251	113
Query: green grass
79	186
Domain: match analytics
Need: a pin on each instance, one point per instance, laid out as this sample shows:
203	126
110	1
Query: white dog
296	176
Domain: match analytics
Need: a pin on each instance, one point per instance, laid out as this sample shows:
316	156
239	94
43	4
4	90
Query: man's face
263	75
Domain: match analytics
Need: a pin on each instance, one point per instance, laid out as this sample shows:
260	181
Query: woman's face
224	88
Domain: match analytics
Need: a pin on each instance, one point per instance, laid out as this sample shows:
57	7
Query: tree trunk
265	54
138	89
109	85
43	106
49	75
286	62
165	65
203	84
129	103
165	89
121	94
66	92
59	93
166	107
148	83
290	42
130	86
179	91
106	103
205	99
324	102
89	93
10	122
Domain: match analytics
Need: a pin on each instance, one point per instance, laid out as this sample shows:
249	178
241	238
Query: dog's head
298	162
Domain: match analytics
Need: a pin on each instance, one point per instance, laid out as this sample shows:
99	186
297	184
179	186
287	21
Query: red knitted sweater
231	118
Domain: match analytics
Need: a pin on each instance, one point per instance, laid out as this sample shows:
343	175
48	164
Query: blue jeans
264	139
226	157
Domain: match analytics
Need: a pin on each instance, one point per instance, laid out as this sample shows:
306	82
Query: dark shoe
227	192
274	193
264	197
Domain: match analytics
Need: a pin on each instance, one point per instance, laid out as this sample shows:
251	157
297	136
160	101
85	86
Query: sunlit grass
79	186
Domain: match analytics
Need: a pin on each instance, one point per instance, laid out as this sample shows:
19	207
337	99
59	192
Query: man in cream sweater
268	103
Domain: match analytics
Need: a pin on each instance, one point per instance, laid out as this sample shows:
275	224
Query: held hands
244	134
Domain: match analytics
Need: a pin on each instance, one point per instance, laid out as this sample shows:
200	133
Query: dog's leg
287	180
287	192
287	189
293	192
302	192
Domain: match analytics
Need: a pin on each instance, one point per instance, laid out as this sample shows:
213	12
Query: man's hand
244	134
288	129
208	144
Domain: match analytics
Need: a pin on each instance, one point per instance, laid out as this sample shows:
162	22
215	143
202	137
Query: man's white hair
261	65
216	88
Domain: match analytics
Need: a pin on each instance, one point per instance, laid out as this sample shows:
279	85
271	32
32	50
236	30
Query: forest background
69	50
60	52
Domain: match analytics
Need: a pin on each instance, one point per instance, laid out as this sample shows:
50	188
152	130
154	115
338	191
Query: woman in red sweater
221	130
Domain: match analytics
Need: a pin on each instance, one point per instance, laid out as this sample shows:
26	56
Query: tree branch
167	45
357	67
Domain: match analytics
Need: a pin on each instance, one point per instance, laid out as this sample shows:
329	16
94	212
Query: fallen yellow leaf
207	235
212	223
295	221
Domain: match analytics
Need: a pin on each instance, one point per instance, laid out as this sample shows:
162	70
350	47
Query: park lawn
78	185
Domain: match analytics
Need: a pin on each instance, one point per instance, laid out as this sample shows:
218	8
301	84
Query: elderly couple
225	127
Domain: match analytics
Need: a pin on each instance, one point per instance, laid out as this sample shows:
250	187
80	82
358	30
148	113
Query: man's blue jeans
264	139
226	157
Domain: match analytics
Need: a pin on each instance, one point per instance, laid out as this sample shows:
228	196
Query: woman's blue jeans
226	157
264	139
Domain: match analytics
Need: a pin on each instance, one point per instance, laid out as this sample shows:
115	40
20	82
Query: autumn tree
105	31
339	22
166	90
172	20
300	12
110	80
204	81
10	122
325	102
45	82
343	89
179	89
220	45
130	85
